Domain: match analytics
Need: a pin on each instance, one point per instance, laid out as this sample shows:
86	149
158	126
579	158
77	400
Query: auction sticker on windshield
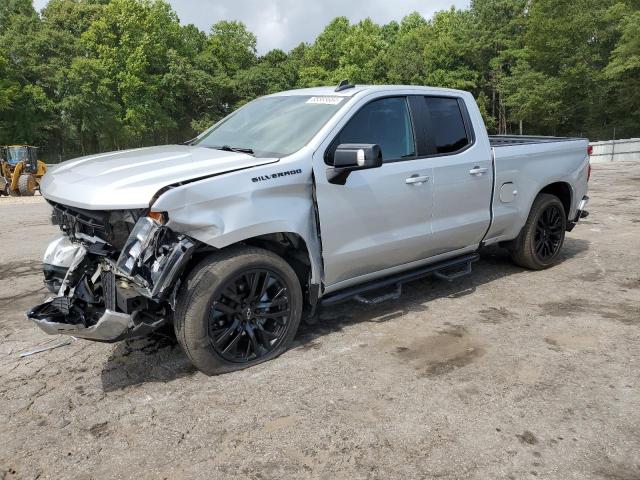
325	100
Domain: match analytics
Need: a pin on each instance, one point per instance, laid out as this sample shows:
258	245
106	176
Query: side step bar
448	270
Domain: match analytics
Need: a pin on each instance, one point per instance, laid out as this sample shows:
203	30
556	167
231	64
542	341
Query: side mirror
357	156
353	156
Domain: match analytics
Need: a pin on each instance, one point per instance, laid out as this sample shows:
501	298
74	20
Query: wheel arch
563	191
560	189
291	247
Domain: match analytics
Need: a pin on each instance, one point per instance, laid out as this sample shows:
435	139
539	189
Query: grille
112	226
74	220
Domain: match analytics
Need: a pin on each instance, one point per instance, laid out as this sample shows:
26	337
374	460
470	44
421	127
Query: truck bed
508	140
523	165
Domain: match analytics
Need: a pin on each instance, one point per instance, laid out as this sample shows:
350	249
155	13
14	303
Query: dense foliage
91	75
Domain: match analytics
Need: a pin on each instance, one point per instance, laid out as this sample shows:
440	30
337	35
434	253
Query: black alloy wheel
237	307
549	232
541	238
248	318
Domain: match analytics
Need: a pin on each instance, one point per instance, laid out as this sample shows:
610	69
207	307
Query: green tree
57	44
9	87
447	51
272	73
363	48
571	40
623	73
323	57
533	97
405	56
28	115
232	45
92	75
14	8
89	109
497	33
132	42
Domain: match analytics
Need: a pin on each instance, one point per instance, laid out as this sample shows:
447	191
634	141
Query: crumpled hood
130	178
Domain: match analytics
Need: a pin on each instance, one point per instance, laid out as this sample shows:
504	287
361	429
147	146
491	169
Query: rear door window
447	128
385	122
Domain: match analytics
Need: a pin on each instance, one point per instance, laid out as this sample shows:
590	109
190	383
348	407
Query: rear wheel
27	185
238	308
542	237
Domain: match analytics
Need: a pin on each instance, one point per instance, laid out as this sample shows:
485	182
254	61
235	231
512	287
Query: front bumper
111	327
104	298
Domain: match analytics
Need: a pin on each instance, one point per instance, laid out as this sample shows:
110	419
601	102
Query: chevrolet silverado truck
297	200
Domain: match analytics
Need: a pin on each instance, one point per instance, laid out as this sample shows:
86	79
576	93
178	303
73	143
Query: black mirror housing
357	156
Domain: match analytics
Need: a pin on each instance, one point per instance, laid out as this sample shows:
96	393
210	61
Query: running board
448	270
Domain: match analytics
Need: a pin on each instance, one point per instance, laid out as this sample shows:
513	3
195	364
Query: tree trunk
493	100
502	117
82	143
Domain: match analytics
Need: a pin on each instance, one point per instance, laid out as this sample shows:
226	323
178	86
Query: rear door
379	219
462	176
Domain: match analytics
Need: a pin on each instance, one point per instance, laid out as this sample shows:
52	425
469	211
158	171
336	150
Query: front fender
221	211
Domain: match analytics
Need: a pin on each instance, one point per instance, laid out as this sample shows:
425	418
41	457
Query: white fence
616	151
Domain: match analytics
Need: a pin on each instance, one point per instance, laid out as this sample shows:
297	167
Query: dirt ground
505	374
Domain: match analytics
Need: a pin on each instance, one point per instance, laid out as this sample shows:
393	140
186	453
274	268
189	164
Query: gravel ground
505	374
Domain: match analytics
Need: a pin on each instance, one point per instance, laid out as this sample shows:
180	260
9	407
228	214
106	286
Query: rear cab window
447	129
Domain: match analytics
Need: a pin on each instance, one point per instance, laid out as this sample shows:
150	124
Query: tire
212	312
542	236
27	185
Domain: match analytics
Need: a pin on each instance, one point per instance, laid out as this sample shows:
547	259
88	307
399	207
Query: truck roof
349	92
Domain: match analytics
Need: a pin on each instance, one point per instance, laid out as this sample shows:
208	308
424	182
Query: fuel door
508	192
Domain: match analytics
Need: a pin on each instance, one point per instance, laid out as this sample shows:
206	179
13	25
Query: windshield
272	126
17	154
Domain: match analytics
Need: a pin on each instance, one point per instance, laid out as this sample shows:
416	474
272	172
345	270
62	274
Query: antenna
344	85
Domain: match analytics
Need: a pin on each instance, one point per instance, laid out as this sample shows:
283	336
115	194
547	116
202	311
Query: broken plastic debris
45	349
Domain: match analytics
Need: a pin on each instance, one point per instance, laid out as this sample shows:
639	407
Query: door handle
416	179
478	171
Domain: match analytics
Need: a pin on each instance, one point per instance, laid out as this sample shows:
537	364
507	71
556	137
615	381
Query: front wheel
542	237
237	308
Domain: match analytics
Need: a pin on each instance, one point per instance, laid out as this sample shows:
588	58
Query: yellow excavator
20	170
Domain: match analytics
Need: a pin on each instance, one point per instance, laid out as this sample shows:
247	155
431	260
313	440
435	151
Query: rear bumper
581	212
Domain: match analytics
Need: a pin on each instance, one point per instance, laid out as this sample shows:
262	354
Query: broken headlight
154	256
143	234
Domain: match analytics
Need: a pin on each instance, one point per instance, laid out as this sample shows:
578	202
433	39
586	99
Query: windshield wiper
228	148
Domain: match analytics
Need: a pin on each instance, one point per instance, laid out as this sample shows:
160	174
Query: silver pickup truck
297	200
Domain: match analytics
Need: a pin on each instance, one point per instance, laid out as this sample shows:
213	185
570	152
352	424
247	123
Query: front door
379	218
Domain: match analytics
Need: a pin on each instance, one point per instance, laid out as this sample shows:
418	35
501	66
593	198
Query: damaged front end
112	279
